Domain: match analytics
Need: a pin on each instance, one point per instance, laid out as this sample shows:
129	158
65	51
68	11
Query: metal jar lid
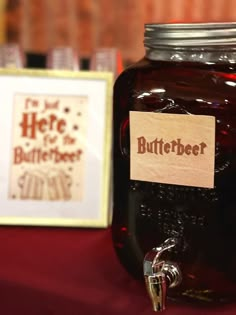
190	35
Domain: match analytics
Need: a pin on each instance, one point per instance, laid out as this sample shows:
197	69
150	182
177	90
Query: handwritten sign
173	148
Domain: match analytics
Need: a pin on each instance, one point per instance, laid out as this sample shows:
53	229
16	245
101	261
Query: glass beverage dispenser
175	164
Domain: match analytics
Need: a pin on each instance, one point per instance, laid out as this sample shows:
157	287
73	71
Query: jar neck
207	55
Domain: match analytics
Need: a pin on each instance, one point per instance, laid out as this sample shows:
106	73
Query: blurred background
85	25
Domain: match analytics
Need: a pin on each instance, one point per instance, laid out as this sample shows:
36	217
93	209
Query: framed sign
55	141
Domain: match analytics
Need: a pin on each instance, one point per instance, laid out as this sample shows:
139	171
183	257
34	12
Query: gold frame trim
104	219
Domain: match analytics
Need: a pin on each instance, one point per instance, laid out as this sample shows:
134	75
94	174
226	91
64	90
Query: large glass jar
190	70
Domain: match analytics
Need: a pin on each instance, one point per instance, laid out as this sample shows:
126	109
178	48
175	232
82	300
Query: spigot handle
156	287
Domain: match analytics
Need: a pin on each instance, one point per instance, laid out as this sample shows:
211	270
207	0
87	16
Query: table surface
59	271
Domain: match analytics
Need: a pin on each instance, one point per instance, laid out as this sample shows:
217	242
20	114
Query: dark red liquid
203	220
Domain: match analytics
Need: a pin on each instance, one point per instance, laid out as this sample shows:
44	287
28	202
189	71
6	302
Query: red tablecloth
48	271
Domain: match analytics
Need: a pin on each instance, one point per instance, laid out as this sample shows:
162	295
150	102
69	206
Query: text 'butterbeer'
159	146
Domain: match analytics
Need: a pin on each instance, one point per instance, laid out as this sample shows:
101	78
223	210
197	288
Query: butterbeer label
48	147
172	148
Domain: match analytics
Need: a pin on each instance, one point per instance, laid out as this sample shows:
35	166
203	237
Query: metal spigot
160	274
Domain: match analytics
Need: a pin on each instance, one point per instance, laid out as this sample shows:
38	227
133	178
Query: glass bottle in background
107	59
63	58
12	56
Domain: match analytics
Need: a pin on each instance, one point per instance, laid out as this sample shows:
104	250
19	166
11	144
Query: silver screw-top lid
190	35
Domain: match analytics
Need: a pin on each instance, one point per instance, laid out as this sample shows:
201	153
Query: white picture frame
56	137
